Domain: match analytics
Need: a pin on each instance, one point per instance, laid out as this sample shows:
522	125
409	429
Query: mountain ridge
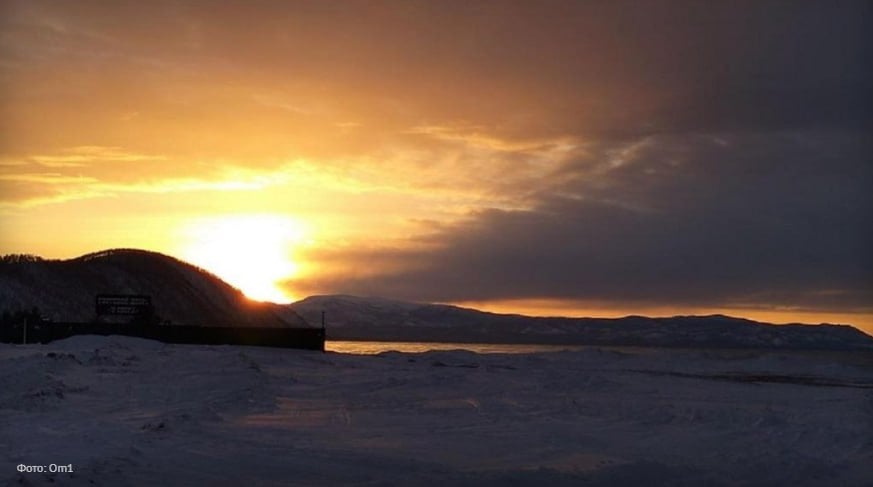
361	318
64	290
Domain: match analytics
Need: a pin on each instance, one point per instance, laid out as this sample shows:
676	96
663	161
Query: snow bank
125	411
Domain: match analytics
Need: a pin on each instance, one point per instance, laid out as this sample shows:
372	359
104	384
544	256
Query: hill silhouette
64	290
370	318
183	294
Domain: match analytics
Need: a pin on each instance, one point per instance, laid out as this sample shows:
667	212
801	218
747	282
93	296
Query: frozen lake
124	411
354	347
375	347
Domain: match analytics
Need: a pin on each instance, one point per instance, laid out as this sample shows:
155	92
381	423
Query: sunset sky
595	158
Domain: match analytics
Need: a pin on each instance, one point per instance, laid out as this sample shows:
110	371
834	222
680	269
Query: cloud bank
672	152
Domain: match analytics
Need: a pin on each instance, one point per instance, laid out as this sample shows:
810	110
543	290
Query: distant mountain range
65	290
357	318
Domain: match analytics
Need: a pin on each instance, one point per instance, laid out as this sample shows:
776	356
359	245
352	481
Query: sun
251	252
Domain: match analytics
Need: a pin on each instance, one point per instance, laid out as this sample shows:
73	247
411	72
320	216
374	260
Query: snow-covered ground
125	411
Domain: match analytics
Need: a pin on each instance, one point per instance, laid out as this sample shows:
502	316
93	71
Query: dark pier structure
128	315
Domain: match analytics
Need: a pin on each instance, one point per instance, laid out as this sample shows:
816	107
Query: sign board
123	304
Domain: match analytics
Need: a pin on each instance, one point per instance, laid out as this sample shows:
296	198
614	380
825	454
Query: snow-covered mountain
64	290
358	318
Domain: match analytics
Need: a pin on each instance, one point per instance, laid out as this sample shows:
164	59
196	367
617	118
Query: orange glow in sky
523	156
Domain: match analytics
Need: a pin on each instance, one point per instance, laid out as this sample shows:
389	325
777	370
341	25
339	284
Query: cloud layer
676	152
776	219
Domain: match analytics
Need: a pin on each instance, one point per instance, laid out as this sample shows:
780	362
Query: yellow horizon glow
570	308
252	252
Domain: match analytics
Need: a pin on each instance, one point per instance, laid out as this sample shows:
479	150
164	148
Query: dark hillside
64	290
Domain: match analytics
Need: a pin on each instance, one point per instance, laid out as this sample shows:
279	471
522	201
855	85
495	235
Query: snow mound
126	411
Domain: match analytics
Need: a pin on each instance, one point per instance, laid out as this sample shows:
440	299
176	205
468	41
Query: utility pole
322	320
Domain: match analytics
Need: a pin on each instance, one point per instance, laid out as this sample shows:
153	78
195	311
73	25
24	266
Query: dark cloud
780	219
522	68
715	151
724	162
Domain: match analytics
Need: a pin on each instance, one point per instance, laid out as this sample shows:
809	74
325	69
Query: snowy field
123	411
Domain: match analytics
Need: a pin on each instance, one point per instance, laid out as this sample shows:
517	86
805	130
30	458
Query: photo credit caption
50	468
